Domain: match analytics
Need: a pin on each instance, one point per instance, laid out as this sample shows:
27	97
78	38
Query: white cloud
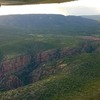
81	7
30	9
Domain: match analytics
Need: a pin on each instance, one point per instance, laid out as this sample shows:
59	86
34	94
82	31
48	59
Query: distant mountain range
93	17
48	24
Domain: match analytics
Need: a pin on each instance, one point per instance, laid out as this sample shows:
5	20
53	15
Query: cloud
81	7
82	11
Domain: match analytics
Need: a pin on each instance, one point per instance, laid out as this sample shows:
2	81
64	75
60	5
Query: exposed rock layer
16	72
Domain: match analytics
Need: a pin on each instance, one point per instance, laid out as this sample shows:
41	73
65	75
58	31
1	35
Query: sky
80	7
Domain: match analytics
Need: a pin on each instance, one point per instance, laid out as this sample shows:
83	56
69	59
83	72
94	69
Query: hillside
19	44
12	70
49	57
75	77
20	34
49	24
57	73
93	17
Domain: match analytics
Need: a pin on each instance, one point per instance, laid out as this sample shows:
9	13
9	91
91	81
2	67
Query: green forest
56	58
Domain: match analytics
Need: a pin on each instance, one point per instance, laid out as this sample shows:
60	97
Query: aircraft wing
21	2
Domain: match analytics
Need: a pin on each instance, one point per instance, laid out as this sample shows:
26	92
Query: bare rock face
12	65
18	63
98	49
24	65
13	82
39	73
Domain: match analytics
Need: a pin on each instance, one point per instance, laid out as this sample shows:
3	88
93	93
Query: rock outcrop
21	64
12	82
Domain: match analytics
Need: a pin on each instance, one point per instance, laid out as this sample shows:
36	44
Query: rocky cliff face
14	64
11	82
13	70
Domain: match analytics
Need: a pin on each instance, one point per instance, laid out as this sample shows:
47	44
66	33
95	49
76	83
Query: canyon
9	68
22	70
